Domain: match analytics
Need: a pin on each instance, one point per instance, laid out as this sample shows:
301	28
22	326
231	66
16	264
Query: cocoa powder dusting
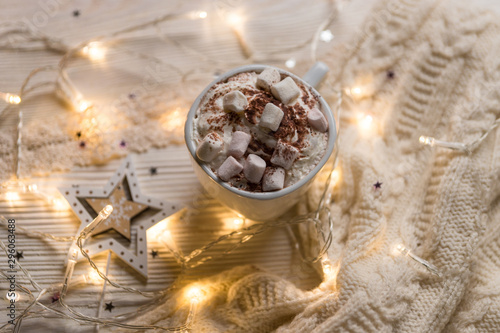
257	105
287	127
306	99
254	187
218	122
294	125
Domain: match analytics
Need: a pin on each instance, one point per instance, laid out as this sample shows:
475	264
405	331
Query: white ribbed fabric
441	204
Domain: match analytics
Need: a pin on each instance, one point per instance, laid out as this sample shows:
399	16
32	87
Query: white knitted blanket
426	68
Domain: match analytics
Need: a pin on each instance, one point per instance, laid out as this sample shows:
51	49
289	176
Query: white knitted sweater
444	66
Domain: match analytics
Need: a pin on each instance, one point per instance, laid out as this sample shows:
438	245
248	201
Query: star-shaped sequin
109	306
377	185
19	255
76	13
154	253
133	214
153	171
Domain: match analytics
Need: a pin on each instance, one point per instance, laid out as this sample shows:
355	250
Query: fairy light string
188	262
68	91
401	249
36	234
247	232
321	217
463	147
84	234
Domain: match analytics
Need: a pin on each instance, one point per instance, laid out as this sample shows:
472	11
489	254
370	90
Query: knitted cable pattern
441	204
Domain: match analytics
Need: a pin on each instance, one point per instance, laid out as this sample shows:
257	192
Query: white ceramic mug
261	206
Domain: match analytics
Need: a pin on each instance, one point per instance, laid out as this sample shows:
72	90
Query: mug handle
316	74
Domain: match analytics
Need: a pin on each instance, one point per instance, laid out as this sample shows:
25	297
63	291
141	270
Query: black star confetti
78	134
377	185
154	253
55	297
123	144
131	96
153	171
82	144
19	255
390	74
76	13
109	306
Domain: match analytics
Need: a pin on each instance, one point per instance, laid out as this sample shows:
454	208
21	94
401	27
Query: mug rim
188	136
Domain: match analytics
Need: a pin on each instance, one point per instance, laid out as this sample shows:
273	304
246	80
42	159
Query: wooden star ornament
124	231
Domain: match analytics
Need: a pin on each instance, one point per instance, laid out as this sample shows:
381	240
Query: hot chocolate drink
260	132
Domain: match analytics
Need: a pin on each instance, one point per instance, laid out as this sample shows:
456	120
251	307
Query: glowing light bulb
365	122
356	91
12	196
399	249
12	296
363	87
326	36
167	235
12	99
106	211
335	176
197	14
238	222
83	105
195	294
430	141
290	63
74	255
329	271
234	19
167	239
174	120
93	277
103	215
59	204
95	51
426	140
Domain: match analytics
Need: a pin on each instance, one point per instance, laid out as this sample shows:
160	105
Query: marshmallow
254	168
284	155
210	147
239	144
274	179
267	78
271	117
234	101
230	168
286	90
317	120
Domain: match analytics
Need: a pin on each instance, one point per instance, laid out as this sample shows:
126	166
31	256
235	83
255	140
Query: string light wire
400	248
466	148
188	261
